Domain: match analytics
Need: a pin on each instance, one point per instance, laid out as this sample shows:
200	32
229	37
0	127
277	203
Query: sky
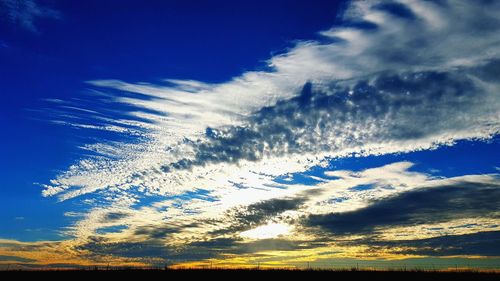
249	133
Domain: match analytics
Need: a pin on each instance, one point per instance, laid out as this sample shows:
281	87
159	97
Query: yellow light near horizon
270	230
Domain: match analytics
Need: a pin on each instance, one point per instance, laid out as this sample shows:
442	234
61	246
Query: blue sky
237	129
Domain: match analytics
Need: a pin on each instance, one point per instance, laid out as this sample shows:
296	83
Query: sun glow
270	230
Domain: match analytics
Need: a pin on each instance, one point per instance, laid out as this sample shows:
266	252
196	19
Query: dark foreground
207	273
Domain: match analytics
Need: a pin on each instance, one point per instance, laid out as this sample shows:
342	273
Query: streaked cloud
25	13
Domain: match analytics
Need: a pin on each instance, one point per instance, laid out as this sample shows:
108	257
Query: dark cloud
390	107
158	250
114	216
264	210
14	259
146	250
248	217
424	206
163	231
481	243
194	251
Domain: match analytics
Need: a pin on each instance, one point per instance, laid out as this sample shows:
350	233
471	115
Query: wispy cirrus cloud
26	12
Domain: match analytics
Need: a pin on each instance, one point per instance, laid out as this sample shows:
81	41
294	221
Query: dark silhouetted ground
347	275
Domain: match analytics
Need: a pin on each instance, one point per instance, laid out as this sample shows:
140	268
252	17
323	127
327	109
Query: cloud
14	259
25	13
163	231
114	216
475	244
347	93
422	206
43	254
413	110
258	213
162	254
